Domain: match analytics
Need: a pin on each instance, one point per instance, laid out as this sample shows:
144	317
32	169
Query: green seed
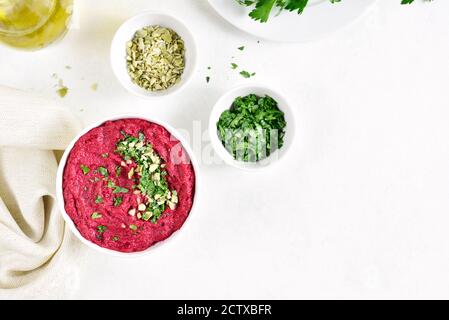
155	58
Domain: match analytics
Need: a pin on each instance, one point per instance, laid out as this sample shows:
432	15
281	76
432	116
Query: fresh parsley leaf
98	200
101	229
103	171
85	169
118	189
241	48
234	66
133	227
245	74
263	9
118	201
111	184
118	171
96	215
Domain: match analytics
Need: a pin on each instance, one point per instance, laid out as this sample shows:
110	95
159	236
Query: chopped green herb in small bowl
251	127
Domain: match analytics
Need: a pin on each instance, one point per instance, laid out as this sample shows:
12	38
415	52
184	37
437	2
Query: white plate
319	19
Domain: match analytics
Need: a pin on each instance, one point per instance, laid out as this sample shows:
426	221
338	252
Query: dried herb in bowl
155	58
252	128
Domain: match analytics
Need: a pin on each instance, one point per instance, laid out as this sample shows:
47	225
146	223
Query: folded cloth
39	258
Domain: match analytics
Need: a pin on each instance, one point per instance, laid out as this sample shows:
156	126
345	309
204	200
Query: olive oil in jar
33	24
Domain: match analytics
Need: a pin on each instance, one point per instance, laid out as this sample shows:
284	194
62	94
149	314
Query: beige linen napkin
37	252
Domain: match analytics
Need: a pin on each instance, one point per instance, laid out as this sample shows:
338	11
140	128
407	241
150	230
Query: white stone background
359	209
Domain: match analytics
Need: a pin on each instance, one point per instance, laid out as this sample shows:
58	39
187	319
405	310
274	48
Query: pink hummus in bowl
126	184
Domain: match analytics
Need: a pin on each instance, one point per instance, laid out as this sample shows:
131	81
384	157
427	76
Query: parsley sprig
262	9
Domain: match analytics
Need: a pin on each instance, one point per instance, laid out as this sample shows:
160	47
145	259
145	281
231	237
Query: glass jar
33	24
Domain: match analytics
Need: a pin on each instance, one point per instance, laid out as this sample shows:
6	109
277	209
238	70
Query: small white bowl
226	101
126	32
60	176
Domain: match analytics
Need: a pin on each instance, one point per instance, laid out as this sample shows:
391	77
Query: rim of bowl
190	58
283	104
60	176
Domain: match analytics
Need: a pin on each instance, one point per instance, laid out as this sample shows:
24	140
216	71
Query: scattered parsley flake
98	200
118	201
85	169
245	74
120	190
96	215
103	171
118	171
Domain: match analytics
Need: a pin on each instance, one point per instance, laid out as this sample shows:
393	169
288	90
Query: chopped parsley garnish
246	74
118	189
105	155
85	169
103	171
146	216
133	227
118	171
241	48
152	182
234	66
118	201
98	200
252	128
96	215
101	229
115	238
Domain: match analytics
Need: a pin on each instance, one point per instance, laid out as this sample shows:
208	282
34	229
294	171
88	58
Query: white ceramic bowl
126	32
226	101
60	174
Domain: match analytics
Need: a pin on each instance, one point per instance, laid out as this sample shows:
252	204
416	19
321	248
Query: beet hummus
128	184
